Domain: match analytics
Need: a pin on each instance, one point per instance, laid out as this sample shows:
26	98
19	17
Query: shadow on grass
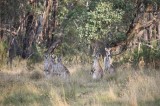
155	102
15	90
26	99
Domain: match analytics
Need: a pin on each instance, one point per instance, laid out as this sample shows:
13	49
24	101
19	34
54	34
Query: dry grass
28	86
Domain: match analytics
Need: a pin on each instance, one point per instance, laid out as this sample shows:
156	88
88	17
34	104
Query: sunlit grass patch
36	75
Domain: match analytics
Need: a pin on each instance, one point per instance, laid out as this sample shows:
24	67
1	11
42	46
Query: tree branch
9	31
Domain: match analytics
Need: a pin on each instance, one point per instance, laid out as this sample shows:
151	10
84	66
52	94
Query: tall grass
3	53
128	87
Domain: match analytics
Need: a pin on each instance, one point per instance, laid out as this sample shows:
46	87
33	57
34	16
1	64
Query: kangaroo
51	68
108	61
141	64
13	51
62	70
49	65
97	71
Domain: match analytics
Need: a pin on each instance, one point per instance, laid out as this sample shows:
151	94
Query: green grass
18	98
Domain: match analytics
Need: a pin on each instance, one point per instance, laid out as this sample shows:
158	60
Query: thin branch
53	46
9	31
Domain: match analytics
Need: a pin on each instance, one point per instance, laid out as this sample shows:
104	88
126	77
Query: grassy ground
26	86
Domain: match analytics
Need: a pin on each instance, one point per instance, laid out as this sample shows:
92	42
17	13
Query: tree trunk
53	23
158	36
150	16
45	27
28	35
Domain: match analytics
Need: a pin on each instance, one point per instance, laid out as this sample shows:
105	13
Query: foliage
79	21
98	22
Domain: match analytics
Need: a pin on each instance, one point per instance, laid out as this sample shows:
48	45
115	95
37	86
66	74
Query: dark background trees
130	25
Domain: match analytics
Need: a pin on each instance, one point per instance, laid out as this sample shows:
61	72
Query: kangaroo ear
108	49
53	56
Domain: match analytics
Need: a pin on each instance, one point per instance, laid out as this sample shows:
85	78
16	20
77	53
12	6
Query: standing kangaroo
108	61
13	51
64	72
97	71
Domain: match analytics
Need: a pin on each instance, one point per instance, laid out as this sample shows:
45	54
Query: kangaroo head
48	60
59	59
53	58
96	56
92	71
95	60
46	63
108	52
